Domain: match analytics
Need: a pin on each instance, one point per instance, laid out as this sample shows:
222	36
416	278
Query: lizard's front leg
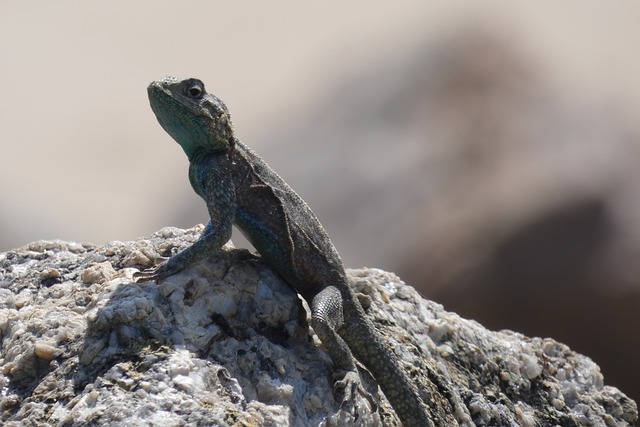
207	244
210	177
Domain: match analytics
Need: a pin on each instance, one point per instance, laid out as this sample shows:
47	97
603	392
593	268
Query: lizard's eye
195	90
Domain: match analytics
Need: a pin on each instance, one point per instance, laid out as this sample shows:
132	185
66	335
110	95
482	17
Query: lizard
239	188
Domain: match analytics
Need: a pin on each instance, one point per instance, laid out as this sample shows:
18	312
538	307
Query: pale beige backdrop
83	158
488	152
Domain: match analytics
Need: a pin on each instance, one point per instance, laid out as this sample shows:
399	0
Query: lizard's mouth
157	90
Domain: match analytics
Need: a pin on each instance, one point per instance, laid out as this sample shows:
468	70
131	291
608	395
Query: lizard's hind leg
326	319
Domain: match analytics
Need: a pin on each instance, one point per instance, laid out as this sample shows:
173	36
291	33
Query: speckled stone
227	342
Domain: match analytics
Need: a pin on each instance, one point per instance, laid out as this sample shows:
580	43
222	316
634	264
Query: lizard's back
282	227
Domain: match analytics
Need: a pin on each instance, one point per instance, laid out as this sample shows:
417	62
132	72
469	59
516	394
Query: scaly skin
239	187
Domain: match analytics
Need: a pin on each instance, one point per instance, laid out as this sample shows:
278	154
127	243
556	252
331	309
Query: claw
145	276
153	274
350	384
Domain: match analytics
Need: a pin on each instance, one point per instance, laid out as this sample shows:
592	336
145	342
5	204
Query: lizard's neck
201	153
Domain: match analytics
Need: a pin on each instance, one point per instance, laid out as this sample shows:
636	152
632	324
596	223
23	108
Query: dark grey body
239	187
282	228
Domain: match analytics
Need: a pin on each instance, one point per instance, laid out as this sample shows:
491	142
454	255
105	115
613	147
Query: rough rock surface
226	342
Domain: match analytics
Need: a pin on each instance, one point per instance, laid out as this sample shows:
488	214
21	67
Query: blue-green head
197	120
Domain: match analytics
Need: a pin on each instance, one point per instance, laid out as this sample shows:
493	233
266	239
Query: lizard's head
197	120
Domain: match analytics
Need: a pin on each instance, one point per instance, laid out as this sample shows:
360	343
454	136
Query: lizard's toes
155	274
350	385
145	276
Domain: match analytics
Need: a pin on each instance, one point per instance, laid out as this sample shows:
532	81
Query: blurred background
488	153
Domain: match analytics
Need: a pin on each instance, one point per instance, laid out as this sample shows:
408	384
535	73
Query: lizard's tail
371	350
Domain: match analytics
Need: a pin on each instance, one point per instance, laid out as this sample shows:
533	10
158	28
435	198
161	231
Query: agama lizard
239	187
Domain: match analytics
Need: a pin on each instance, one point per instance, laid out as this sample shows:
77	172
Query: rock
227	342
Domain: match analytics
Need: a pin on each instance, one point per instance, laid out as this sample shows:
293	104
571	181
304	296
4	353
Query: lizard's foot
155	274
350	385
145	276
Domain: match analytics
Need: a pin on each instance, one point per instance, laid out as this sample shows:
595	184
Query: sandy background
83	158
